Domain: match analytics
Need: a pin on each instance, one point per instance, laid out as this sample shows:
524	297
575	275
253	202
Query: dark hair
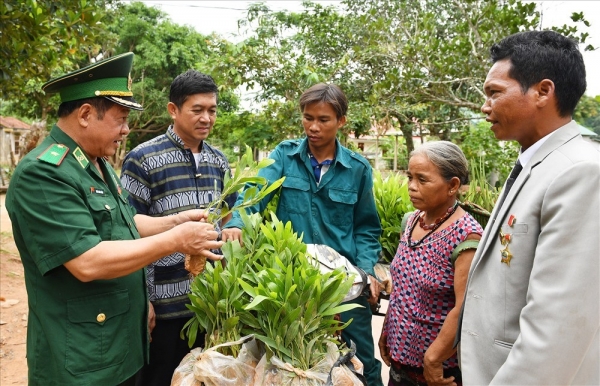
539	55
102	105
189	83
328	93
447	157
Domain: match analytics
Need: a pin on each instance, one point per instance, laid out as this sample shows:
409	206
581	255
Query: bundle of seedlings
230	354
245	173
272	290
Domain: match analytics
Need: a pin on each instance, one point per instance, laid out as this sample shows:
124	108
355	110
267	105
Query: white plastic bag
215	369
279	373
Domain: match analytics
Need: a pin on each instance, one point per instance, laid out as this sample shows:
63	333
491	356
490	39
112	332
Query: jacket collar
341	157
63	138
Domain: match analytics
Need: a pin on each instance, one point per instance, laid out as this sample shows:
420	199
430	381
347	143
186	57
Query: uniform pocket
98	331
341	213
295	195
103	209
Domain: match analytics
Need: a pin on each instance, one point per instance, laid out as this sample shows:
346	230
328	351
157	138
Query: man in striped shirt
171	173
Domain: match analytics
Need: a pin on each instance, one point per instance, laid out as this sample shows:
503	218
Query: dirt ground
13	307
13	310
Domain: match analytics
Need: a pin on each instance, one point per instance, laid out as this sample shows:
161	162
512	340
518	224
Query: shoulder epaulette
291	142
54	154
359	157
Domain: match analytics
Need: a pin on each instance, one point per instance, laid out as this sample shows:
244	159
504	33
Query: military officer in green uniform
79	239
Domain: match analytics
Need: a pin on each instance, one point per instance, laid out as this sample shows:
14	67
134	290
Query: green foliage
295	303
392	201
587	113
480	192
420	62
271	289
478	143
42	39
246	128
218	301
163	50
245	173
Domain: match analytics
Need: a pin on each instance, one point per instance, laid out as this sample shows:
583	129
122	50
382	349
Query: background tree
587	113
415	60
162	50
42	39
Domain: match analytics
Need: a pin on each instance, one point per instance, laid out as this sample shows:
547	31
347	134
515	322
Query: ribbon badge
505	239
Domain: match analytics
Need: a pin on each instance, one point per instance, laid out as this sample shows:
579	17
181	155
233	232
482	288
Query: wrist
179	219
431	359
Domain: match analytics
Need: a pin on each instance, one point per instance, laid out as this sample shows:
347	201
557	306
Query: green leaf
256	302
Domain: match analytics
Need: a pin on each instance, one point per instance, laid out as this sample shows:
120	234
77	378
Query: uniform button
107	206
315	233
101	317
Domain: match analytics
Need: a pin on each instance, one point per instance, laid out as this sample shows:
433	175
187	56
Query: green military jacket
78	333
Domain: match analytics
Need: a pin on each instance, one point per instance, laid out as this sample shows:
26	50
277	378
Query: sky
221	16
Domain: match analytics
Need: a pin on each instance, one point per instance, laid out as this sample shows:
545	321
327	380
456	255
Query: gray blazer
536	321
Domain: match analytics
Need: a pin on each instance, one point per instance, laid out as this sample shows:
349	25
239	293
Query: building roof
13	123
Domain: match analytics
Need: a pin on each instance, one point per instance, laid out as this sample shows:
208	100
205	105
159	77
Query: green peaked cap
108	78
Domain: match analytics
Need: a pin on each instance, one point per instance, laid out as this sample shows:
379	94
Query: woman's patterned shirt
423	293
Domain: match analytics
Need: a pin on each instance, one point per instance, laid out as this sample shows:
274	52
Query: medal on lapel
505	239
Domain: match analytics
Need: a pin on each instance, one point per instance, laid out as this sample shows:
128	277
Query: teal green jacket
340	212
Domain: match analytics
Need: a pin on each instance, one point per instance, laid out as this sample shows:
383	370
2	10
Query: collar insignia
80	157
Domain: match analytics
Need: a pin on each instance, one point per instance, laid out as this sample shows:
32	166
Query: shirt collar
174	137
526	156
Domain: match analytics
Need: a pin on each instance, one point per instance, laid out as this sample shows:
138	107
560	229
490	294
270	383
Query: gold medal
506	256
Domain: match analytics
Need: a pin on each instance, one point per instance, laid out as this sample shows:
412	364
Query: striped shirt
163	179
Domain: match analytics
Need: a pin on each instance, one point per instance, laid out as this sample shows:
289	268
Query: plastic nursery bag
347	370
279	373
211	368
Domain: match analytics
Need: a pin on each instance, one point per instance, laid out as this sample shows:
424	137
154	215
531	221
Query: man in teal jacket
328	197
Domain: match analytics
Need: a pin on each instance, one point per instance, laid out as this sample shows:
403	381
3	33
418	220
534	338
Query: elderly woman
429	271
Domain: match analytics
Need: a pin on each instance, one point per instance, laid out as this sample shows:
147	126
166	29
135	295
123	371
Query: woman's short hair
328	93
447	157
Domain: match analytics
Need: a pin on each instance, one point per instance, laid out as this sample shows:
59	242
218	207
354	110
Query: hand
192	215
232	234
384	350
198	238
151	319
375	291
434	373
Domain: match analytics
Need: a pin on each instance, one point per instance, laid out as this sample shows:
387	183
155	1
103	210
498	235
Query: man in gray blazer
531	308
